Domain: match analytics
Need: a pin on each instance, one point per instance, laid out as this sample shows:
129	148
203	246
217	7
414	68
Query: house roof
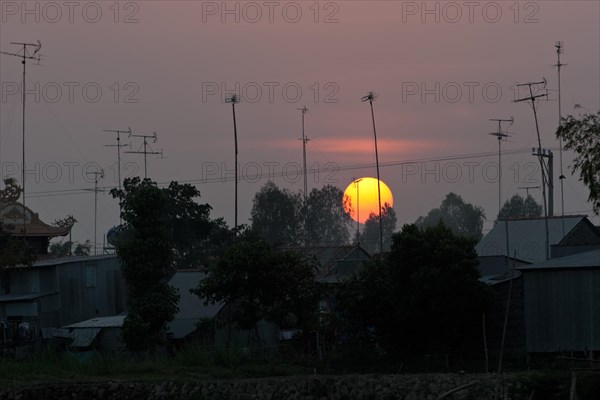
490	280
84	332
191	308
332	257
14	298
11	216
526	237
588	259
115	321
65	260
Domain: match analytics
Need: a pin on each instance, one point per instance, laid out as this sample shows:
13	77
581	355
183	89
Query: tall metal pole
370	97
145	159
234	100
533	99
559	65
23	124
356	182
304	141
500	135
24	57
118	146
537	128
96	175
145	152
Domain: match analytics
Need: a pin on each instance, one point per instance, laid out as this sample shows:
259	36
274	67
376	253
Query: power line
351	167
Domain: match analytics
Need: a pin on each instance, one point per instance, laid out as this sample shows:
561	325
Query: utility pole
547	153
559	65
118	146
145	150
97	175
233	99
25	54
533	98
370	97
500	135
304	141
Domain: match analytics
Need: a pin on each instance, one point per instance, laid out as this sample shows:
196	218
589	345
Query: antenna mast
233	99
561	178
527	189
97	175
540	153
304	141
118	146
25	54
145	152
500	135
370	97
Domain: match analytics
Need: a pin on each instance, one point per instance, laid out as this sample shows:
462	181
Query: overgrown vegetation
203	363
424	298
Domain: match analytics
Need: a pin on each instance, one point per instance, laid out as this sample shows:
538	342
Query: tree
83	249
518	207
260	282
14	250
582	135
64	249
369	237
163	229
326	221
425	297
60	249
463	219
276	215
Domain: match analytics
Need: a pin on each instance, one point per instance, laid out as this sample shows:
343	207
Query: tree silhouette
463	219
326	221
369	238
276	215
582	135
424	297
518	207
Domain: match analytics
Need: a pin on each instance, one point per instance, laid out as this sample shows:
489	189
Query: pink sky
171	60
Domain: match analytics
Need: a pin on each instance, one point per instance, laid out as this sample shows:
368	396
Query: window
90	275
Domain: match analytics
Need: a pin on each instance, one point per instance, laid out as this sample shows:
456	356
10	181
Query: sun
362	193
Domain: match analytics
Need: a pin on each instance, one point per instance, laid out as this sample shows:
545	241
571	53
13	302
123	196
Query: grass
192	363
195	363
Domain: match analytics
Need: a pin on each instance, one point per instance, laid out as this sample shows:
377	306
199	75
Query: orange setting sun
362	192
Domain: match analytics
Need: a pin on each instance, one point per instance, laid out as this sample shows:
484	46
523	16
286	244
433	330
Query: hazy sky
441	69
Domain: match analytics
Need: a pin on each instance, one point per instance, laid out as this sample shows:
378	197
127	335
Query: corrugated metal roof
65	260
579	260
191	308
11	298
527	237
114	321
330	257
84	337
